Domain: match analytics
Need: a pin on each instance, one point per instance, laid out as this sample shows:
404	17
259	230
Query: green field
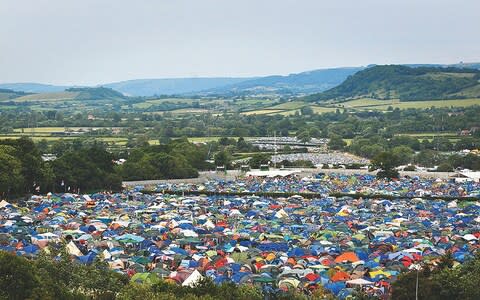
183	111
373	104
53	97
321	109
430	134
262	112
149	103
289	105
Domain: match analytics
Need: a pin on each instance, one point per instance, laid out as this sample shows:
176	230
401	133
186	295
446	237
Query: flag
63	183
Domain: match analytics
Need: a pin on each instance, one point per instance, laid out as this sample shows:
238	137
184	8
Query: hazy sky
100	41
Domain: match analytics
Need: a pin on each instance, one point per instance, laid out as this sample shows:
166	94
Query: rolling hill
33	87
71	94
170	86
300	83
7	94
297	84
98	93
406	83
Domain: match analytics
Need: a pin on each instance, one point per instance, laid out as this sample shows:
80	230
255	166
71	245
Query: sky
89	42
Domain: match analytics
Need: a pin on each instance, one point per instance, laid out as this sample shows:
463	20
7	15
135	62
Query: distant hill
70	94
33	87
7	94
406	83
300	83
171	86
99	93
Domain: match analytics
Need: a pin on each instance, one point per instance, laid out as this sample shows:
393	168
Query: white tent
281	214
359	281
193	279
72	249
4	203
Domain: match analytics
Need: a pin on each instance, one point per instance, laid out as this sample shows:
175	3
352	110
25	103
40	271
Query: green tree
11	179
222	158
404	154
17	278
336	143
386	163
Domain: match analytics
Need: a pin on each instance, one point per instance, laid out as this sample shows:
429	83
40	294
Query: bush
445	167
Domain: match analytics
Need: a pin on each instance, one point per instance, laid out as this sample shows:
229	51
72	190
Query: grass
427	134
289	105
321	109
55	129
53	97
262	112
189	111
373	104
365	102
149	103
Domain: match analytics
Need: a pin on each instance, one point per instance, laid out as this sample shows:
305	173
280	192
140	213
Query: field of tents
292	243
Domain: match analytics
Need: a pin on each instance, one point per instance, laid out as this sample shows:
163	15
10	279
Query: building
464	176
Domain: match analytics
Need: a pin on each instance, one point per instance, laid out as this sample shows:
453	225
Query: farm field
262	111
183	111
149	103
373	104
53	97
289	105
37	130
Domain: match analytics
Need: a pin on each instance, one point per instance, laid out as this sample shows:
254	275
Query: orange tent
347	256
340	276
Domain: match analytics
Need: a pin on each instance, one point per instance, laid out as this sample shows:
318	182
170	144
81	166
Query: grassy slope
407	84
61	96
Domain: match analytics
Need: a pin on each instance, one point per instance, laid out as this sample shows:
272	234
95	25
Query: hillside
170	86
71	94
406	83
33	87
299	83
7	94
99	93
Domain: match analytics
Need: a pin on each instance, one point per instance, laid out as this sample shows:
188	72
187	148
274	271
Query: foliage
406	83
259	159
99	93
442	282
386	162
23	159
336	143
89	168
177	159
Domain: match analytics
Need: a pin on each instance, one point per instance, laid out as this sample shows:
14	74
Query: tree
445	167
259	159
242	145
306	111
403	153
304	136
11	179
17	277
441	282
386	162
223	158
336	143
428	158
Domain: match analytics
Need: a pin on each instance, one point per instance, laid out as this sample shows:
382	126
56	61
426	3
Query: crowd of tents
335	183
339	244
